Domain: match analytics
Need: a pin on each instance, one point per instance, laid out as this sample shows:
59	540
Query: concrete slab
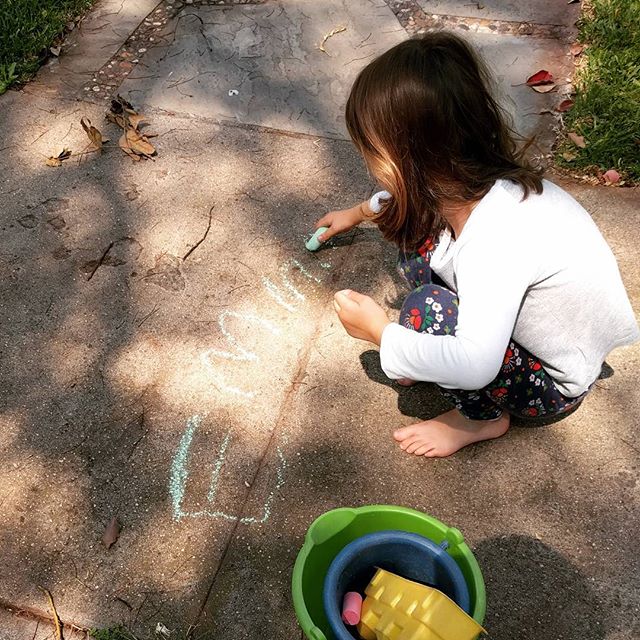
268	57
546	511
171	357
105	369
556	12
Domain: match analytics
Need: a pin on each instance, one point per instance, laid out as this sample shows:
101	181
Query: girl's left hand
360	315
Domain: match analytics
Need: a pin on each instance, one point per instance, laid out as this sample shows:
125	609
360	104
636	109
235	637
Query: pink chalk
351	608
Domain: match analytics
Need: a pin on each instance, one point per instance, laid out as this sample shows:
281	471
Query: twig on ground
330	35
124	602
240	286
56	618
139	440
102	257
197	244
40	136
155	308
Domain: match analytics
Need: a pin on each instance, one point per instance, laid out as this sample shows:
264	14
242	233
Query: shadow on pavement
534	592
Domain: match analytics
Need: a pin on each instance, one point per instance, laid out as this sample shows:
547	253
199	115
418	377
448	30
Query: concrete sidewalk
171	358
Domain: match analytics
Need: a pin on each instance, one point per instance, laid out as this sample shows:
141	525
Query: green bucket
335	529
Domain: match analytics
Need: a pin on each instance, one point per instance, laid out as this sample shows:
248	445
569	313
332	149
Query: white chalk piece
313	244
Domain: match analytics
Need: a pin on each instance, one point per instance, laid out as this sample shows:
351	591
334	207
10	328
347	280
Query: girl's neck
456	214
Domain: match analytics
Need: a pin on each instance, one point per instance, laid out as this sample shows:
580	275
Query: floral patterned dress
522	386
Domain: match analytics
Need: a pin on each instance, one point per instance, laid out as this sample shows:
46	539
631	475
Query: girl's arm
490	293
341	221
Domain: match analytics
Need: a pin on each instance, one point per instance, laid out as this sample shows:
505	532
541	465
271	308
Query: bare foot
446	434
406	382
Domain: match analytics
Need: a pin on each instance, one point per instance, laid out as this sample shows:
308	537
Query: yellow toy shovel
399	609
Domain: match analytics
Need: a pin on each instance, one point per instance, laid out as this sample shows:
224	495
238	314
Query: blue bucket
408	555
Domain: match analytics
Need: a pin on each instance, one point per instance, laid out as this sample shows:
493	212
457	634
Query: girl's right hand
341	221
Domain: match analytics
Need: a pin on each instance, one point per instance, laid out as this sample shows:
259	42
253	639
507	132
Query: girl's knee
430	309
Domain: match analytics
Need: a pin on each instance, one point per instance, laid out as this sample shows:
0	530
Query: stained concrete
268	56
115	278
511	61
555	12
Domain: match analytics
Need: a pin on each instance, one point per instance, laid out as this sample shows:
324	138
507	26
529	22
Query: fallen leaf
569	156
111	533
120	104
139	143
117	118
611	176
56	161
55	51
124	145
135	119
577	139
544	88
162	631
565	105
123	114
576	49
540	77
94	135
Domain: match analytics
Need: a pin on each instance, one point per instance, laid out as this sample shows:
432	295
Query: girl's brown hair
423	117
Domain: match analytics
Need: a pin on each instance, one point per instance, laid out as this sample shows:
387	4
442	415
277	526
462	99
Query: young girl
517	298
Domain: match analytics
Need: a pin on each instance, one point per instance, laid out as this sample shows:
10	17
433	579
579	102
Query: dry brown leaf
120	104
56	161
135	119
55	51
576	139
139	143
576	49
544	88
93	134
569	156
124	145
123	114
118	119
111	533
565	105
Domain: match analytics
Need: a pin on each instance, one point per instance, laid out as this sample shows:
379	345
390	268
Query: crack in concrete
293	389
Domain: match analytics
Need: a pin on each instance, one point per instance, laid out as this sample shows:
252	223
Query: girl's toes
414	446
404	433
423	450
407	442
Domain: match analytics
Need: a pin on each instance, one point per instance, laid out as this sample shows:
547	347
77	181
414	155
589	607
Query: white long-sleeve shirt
537	270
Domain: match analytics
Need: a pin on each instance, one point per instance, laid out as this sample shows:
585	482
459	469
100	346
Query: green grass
27	30
607	101
112	633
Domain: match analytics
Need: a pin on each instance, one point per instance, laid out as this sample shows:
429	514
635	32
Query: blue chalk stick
313	244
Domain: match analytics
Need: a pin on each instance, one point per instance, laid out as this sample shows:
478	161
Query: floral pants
522	387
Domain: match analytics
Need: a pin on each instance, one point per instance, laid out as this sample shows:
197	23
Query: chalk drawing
241	354
213	487
180	476
280	295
